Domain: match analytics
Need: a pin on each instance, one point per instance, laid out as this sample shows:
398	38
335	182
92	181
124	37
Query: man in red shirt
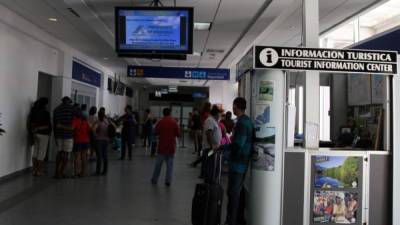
167	130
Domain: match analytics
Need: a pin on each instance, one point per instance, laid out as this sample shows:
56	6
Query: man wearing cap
63	132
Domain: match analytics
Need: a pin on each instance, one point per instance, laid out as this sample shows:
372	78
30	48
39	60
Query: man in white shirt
212	136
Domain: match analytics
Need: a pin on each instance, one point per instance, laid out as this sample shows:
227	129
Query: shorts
64	145
81	147
40	149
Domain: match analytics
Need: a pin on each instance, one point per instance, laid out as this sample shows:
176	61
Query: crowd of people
214	134
84	134
88	135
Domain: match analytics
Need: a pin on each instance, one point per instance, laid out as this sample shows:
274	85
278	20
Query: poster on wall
262	119
264	153
378	89
338	207
359	89
265	92
337	171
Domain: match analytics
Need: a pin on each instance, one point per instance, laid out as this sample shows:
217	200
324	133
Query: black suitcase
207	201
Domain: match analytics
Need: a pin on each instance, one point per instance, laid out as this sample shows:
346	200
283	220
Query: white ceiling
235	27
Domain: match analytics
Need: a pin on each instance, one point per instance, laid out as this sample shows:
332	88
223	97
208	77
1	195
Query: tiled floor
125	196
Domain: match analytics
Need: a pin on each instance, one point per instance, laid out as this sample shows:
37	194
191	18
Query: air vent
214	50
74	12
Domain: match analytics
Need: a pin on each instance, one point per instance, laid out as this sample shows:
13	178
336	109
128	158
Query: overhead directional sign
179	73
328	60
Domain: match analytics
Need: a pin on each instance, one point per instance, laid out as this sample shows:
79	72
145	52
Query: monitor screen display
154	30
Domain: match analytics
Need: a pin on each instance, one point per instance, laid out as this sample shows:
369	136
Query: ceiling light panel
202	26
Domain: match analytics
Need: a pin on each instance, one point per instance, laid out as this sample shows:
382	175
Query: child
153	138
81	142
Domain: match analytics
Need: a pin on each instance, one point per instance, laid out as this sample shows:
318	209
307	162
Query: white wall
25	50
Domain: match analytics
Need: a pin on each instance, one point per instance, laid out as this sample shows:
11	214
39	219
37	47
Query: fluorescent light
202	26
53	19
197	53
105	58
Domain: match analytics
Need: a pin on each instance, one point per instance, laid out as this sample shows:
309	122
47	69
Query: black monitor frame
138	51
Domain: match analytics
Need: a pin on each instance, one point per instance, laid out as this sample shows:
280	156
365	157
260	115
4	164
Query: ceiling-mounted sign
332	60
178	73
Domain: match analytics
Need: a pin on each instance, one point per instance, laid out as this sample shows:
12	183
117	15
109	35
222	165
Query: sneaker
167	184
153	182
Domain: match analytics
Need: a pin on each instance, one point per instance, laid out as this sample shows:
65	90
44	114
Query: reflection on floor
125	196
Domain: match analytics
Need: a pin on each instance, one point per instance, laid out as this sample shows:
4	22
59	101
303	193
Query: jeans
126	142
169	159
153	148
235	210
101	152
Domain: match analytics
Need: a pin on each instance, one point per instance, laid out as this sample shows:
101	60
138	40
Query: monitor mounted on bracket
154	30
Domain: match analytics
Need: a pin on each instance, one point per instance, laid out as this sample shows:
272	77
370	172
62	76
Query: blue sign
179	73
84	74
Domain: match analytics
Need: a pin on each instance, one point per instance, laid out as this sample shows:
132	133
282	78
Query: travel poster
265	92
339	207
262	119
264	155
336	171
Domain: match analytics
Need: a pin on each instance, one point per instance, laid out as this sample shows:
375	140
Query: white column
396	148
265	194
311	96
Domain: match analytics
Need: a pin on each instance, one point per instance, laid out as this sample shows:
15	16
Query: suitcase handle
212	152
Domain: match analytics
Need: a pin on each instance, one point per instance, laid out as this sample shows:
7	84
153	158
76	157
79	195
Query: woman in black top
40	128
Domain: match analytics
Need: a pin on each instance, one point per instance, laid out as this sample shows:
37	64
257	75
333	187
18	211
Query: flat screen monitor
167	30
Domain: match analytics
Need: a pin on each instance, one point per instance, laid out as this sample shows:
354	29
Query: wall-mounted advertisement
262	119
265	92
337	171
335	207
264	152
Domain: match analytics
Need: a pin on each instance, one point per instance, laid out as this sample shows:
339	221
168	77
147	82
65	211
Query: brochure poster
262	119
264	152
265	92
339	207
336	171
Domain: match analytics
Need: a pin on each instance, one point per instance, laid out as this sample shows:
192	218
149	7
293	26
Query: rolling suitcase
207	200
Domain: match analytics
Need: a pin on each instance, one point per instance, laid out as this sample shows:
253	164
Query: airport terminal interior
265	112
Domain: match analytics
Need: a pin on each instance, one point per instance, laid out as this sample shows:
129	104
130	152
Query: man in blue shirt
240	155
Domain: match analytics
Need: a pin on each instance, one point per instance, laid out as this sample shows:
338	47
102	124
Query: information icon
269	57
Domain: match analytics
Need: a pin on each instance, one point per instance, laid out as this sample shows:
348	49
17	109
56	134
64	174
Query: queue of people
220	137
85	135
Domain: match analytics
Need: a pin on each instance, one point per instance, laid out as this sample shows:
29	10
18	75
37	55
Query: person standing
147	128
154	138
240	154
228	122
128	128
205	113
81	142
100	130
92	119
168	130
212	137
40	125
62	120
196	129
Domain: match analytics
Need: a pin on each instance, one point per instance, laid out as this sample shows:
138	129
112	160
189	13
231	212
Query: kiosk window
354	110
